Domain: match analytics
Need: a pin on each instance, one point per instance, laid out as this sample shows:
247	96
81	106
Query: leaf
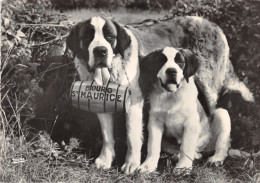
33	64
3	29
13	8
28	17
6	22
26	91
21	65
245	80
257	35
4	38
20	34
10	43
10	32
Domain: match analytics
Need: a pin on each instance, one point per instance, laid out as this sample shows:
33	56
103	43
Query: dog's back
207	41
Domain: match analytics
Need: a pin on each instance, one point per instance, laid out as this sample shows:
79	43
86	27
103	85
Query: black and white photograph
130	91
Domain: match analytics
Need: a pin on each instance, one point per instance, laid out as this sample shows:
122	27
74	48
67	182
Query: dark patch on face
82	32
179	59
191	63
86	36
110	33
150	65
172	72
123	40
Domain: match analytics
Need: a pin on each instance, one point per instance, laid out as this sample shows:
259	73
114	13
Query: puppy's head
96	41
167	69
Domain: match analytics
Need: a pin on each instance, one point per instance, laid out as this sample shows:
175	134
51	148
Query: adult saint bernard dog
177	112
106	51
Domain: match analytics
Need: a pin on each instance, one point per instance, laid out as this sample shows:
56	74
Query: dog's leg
107	153
155	130
189	142
221	127
209	95
134	128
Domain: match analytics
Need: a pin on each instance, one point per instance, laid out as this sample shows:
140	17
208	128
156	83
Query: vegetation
35	82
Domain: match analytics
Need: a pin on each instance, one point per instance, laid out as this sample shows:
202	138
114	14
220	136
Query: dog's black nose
171	72
100	51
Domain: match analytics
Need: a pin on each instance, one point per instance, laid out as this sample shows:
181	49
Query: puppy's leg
221	127
107	153
134	128
155	130
189	142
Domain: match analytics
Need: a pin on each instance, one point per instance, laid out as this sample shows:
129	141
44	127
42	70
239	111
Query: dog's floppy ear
72	40
191	63
123	39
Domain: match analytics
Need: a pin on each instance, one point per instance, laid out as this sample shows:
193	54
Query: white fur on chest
173	109
82	70
184	99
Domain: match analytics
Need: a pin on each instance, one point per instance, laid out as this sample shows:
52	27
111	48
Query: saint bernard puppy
106	51
176	111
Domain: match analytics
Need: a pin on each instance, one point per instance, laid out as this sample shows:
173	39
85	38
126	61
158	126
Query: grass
34	157
46	161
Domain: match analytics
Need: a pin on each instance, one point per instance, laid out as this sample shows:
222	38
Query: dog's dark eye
178	58
109	37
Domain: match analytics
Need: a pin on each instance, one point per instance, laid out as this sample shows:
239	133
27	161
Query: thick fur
209	44
123	67
125	45
176	112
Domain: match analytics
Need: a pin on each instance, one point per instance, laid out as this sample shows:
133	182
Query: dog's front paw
129	168
103	163
131	163
147	166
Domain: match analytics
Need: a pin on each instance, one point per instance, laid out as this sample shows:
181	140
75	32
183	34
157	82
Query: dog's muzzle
100	55
171	74
102	74
100	51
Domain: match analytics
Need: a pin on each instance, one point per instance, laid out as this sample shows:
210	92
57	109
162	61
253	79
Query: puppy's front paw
103	163
147	166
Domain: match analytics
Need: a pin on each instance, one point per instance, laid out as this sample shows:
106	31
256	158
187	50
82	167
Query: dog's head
167	69
96	41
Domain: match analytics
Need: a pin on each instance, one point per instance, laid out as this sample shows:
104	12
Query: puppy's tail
232	84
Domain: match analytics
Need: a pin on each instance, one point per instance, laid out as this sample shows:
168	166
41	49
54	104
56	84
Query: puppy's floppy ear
191	63
145	77
149	67
72	40
123	39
